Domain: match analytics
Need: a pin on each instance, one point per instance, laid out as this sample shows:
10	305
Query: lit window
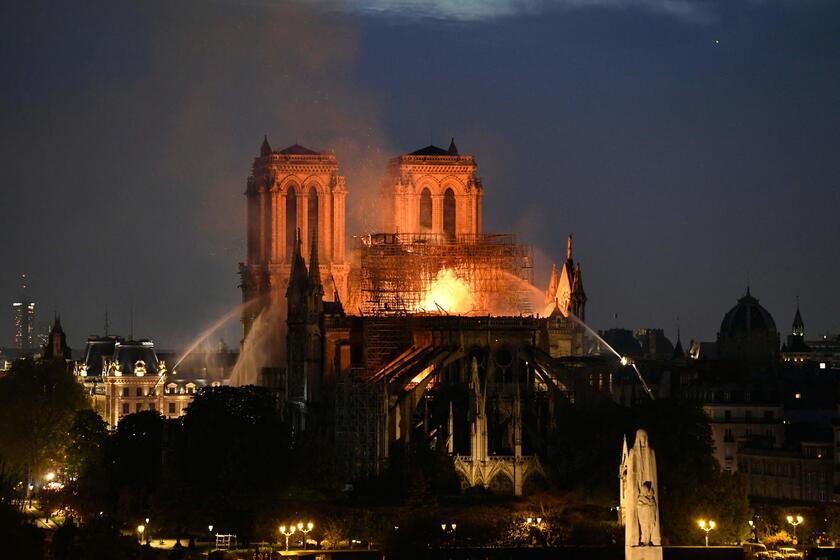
798	396
822	365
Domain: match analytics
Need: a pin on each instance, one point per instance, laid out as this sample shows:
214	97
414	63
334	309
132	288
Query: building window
748	415
125	391
125	408
291	220
138	407
139	392
172	408
425	210
449	214
727	415
313	213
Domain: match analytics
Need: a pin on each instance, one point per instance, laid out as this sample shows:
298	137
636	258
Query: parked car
791	553
755	551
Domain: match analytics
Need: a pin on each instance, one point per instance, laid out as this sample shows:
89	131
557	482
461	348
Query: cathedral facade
292	194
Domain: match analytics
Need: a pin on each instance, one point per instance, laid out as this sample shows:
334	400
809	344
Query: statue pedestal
642	553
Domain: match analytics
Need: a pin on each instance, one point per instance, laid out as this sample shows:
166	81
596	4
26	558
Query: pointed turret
56	348
298	277
265	149
569	248
551	292
798	324
578	295
314	263
453	149
679	353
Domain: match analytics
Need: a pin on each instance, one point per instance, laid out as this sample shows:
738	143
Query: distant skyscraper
24	316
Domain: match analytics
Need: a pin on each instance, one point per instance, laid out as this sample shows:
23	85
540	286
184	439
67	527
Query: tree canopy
38	401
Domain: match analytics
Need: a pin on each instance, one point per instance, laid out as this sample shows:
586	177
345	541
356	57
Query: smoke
265	346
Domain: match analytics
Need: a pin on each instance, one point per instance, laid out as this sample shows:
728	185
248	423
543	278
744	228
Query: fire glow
449	293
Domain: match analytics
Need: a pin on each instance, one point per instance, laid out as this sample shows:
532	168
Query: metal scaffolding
396	271
358	426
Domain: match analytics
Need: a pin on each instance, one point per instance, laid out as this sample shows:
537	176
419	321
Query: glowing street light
50	476
140	530
794	520
707	526
287	534
305	530
209	539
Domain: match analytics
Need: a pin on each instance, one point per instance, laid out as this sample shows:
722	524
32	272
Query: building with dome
748	332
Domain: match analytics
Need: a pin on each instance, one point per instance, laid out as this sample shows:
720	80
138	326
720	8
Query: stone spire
453	149
314	264
569	248
578	295
265	149
798	324
679	353
299	276
553	281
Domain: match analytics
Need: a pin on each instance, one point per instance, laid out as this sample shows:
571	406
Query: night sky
690	145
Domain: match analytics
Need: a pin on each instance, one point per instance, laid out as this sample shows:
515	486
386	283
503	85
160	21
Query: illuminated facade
433	190
124	377
292	191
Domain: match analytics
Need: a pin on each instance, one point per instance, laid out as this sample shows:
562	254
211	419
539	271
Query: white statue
639	504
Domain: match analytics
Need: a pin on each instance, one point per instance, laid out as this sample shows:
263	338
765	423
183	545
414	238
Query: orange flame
449	292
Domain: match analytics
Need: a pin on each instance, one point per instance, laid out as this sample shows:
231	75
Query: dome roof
748	316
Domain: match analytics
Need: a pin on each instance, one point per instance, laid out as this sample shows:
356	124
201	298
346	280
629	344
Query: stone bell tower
290	190
433	190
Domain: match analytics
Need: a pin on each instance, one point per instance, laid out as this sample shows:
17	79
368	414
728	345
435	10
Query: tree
38	401
137	461
691	484
228	462
88	465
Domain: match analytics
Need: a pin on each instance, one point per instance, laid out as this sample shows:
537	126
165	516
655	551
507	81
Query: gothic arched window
425	209
312	220
291	221
449	214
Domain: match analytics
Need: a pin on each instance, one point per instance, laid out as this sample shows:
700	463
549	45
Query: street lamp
140	529
707	526
305	530
287	534
209	539
794	520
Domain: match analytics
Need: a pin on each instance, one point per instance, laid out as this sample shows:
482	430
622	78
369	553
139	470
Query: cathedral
431	332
